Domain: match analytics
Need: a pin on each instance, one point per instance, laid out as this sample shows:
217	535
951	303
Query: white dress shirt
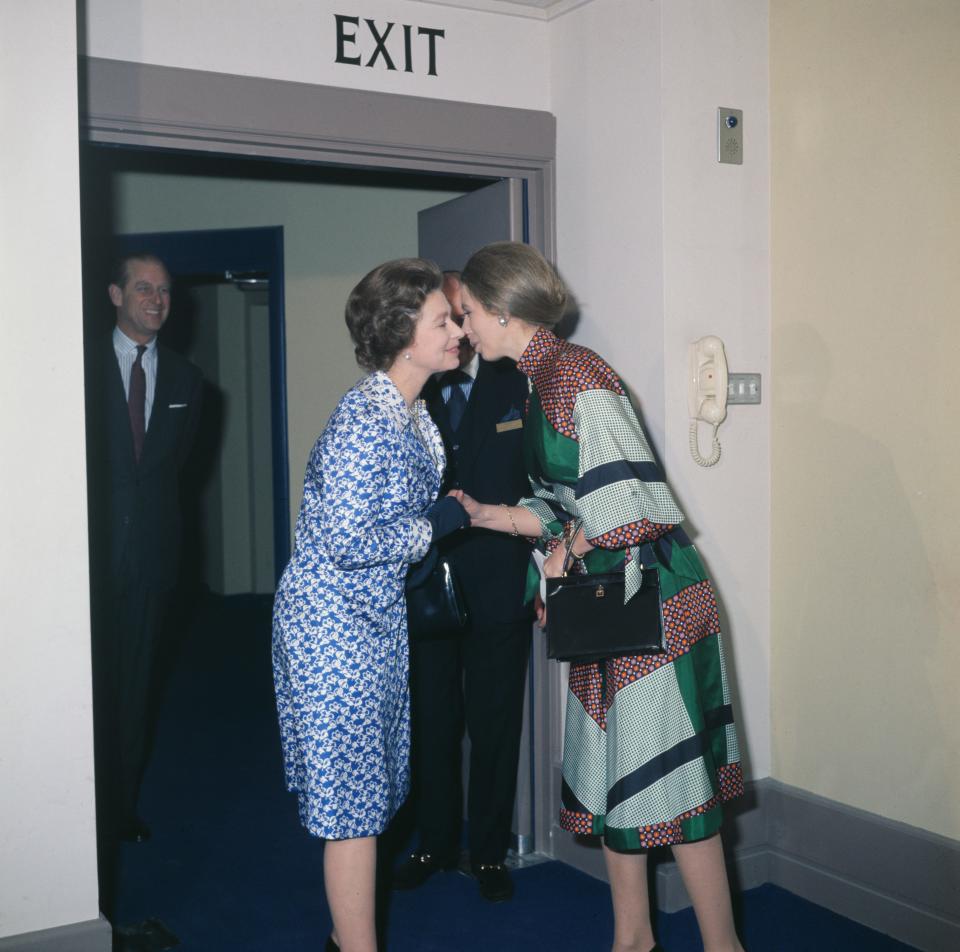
126	351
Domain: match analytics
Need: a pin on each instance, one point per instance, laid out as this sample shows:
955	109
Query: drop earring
502	321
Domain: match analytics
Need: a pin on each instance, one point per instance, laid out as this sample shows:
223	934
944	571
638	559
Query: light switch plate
730	136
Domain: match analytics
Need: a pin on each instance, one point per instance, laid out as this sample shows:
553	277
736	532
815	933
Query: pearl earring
406	356
502	321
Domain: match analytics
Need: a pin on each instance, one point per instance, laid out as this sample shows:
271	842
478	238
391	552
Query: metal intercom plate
743	388
730	136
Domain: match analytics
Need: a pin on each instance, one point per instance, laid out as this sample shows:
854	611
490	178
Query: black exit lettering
390	46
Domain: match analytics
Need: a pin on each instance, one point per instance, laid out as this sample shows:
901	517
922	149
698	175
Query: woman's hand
541	610
447	515
553	564
474	508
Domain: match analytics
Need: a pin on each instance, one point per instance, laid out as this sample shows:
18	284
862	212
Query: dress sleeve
544	504
355	464
620	493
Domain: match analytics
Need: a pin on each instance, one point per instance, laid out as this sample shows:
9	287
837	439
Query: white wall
663	245
484	57
716	270
605	93
47	839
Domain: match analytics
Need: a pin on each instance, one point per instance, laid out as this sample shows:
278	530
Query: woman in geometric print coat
340	656
650	749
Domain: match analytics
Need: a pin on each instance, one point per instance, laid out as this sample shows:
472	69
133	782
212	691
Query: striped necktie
457	401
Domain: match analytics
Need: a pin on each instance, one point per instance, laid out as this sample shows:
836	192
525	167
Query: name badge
509	425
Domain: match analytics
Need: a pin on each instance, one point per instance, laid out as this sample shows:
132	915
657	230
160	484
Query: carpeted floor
229	868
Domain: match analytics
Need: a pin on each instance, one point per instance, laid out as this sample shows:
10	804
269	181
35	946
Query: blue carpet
229	868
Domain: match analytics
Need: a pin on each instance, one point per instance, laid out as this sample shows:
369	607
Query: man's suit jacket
485	458
135	507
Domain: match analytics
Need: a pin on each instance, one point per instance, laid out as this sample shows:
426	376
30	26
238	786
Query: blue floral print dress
340	654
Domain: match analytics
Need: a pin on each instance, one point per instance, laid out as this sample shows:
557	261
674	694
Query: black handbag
435	606
587	619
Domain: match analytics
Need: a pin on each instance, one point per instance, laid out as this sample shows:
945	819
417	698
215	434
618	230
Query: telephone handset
707	394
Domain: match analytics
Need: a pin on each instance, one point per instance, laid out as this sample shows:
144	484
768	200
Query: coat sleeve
620	494
356	463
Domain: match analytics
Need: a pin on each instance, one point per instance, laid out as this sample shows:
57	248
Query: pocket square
511	420
176	406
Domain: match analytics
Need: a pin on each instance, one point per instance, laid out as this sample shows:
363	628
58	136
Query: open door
451	232
448	234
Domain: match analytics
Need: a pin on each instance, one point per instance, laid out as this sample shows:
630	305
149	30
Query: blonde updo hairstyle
515	280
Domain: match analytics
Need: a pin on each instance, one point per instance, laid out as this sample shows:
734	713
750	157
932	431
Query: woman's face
436	338
482	328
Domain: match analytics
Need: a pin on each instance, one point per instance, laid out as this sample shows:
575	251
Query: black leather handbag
435	606
587	619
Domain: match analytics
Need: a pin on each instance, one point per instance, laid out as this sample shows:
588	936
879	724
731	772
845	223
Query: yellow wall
865	468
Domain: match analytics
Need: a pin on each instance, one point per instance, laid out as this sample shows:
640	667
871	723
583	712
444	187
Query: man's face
453	293
143	303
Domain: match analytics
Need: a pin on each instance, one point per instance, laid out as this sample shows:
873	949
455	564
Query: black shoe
151	935
494	882
135	831
418	869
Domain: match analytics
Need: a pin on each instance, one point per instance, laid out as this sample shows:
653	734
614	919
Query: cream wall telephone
707	393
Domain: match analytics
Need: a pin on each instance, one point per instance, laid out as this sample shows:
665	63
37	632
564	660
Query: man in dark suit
478	677
143	402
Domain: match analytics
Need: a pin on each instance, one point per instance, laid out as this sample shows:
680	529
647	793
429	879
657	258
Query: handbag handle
573	535
570	540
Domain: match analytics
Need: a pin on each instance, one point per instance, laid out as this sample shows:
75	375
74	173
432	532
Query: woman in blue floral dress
340	655
650	748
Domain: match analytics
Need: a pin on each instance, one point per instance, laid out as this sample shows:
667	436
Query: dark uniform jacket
485	458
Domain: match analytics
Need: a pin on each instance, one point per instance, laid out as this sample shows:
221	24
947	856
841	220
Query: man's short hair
120	270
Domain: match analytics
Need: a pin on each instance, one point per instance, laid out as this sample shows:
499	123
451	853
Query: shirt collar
541	346
122	343
471	368
382	391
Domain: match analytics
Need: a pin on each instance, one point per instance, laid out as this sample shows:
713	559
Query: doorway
193	112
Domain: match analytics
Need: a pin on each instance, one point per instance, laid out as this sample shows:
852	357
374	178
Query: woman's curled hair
383	308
